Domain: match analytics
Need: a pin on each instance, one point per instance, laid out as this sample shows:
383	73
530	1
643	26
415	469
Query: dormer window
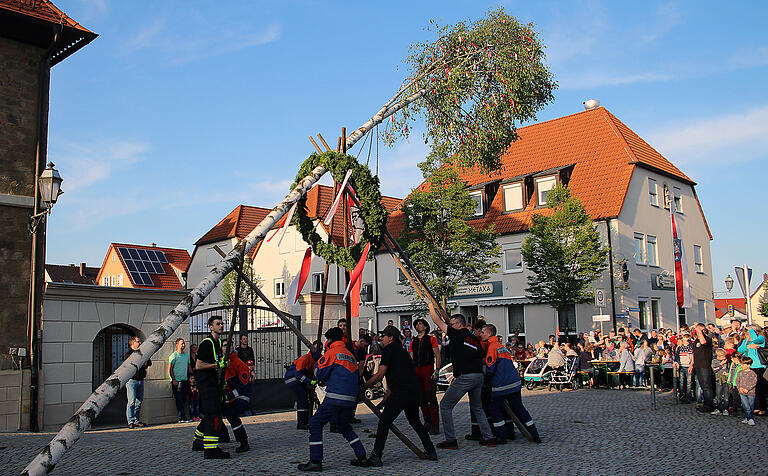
477	197
543	186
513	197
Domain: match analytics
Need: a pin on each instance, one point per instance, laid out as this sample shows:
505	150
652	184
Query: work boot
216	453
374	460
490	442
448	445
311	466
243	447
360	461
473	437
197	445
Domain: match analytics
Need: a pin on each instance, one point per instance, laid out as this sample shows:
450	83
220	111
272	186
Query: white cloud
728	138
666	17
750	58
85	164
605	79
147	36
398	168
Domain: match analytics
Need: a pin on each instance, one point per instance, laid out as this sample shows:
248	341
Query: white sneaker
715	412
744	420
751	422
725	413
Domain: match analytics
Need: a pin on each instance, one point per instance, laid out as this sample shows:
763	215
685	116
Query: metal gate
274	347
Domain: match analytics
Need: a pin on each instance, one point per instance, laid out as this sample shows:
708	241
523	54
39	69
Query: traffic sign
600	299
601	318
622	314
633	309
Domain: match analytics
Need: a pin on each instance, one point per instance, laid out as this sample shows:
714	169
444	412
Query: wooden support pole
327	147
236	305
286	318
317	148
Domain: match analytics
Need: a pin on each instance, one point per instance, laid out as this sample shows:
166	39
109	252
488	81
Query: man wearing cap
425	353
402	394
338	369
467	360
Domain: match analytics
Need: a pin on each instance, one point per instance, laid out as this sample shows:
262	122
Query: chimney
82	269
153	244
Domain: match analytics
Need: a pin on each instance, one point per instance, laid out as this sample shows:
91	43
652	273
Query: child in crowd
194	400
746	382
720	370
734	402
669	364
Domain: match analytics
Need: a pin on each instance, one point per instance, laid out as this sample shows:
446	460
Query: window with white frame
677	194
477	197
642	315
105	281
513	258
653	250
279	288
653	192
120	279
543	186
513	196
317	282
112	280
639	248
655	314
698	260
366	292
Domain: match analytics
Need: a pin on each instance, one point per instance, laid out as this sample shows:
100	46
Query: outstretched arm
377	376
439	322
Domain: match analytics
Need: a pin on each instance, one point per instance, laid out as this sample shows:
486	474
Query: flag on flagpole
301	278
682	287
335	205
284	227
357	272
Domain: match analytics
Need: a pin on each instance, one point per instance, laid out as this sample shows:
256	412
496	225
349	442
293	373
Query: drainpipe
376	290
38	238
610	271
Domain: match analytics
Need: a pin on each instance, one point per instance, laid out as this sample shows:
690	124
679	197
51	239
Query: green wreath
373	213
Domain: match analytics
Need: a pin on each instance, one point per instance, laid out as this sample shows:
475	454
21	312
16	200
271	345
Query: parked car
445	377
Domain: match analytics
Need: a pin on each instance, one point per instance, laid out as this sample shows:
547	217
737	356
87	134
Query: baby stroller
563	377
370	367
537	373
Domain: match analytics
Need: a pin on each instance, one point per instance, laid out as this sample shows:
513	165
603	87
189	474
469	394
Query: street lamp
729	283
49	184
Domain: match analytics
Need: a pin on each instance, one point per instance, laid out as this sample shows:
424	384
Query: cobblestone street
585	432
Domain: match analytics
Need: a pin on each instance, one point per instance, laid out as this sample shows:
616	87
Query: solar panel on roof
140	266
134	253
147	279
136	278
131	265
124	253
143	254
161	257
158	268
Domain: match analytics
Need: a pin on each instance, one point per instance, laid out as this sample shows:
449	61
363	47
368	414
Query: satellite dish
591	104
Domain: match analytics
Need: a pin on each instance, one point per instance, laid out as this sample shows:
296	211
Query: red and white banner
682	287
283	228
301	278
357	273
335	205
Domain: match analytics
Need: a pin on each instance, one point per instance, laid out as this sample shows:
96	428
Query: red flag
681	267
358	271
354	305
301	278
284	227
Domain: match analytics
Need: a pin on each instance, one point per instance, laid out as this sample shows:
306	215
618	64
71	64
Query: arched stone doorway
109	348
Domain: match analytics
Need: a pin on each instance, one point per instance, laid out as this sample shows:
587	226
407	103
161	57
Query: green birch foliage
480	80
563	252
446	250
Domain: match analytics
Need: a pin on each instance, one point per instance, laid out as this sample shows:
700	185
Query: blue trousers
501	425
134	390
302	404
330	412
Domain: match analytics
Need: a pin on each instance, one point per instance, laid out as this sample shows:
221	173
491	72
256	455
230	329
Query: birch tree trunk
45	461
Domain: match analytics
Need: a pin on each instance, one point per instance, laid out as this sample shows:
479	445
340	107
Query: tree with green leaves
763	308
247	295
563	252
444	247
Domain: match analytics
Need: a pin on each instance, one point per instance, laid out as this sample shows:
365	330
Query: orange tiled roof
42	10
177	258
238	223
602	150
60	273
721	306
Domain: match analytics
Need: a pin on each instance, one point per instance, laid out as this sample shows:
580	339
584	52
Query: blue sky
180	111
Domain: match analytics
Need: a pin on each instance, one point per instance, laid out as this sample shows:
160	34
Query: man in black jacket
403	394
